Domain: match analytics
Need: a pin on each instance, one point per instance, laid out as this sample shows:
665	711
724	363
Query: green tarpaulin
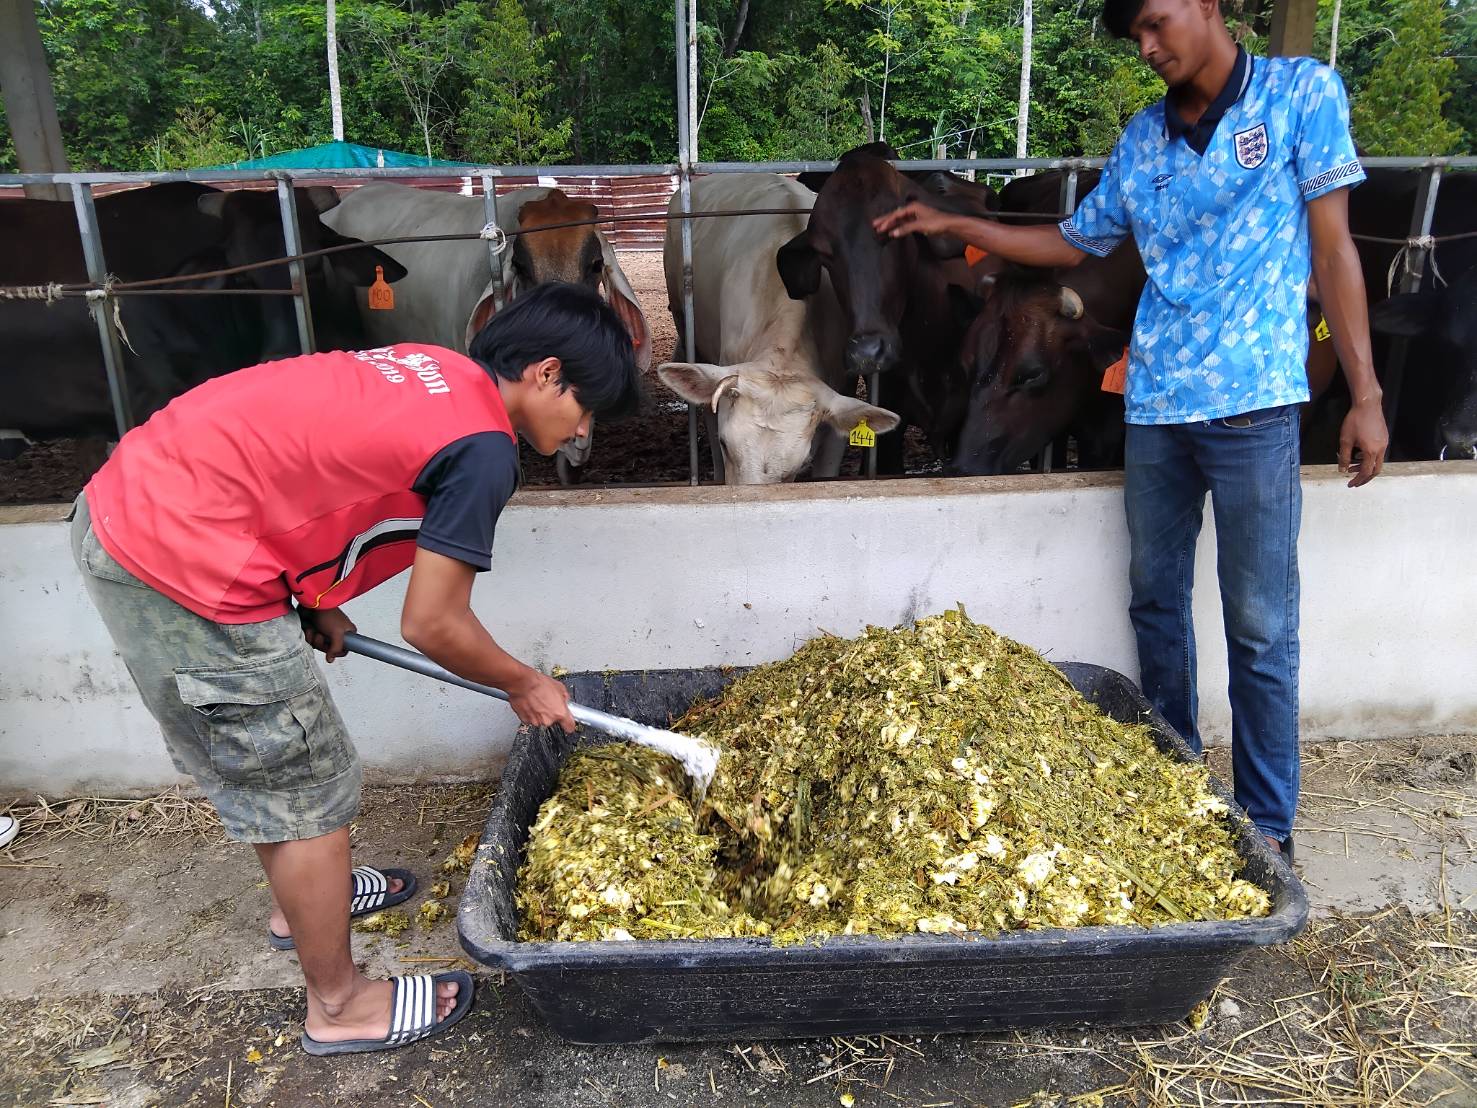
338	155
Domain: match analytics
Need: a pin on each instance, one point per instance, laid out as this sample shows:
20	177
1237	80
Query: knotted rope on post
495	237
1400	263
105	294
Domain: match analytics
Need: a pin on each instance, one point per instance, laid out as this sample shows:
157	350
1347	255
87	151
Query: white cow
772	361
448	294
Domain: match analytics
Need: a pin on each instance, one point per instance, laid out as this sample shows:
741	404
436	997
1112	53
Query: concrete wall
651	578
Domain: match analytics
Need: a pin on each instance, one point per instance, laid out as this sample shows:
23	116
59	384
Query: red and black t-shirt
310	479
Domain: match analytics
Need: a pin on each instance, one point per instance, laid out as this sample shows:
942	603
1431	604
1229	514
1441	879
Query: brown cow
578	255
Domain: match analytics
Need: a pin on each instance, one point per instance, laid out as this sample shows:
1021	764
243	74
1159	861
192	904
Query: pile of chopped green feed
937	778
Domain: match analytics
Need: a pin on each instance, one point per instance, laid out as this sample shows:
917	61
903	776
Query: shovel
698	758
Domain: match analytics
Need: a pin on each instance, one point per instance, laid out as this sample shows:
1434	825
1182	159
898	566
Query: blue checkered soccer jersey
1221	327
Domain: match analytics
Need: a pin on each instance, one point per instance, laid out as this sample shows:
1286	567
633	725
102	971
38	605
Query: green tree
821	118
502	118
1398	112
198	137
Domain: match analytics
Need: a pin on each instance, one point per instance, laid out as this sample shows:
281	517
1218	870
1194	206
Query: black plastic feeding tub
683	990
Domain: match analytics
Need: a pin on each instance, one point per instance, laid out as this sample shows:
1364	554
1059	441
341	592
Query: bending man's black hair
571	323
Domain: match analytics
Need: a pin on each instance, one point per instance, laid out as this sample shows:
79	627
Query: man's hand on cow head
914	219
1364	430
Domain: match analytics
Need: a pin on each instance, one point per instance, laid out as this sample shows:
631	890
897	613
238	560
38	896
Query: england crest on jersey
1251	147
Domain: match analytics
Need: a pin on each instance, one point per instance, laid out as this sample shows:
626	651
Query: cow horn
1071	303
723	384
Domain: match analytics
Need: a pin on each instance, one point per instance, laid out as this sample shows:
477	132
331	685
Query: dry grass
97	818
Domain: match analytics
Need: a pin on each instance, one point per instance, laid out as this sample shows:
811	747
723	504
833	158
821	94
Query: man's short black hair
571	323
1118	16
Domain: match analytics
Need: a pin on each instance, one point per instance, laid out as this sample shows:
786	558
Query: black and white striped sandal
412	1014
369	893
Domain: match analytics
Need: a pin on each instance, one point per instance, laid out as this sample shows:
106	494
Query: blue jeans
1249	465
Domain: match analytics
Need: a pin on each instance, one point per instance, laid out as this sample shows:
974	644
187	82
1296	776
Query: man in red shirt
229	528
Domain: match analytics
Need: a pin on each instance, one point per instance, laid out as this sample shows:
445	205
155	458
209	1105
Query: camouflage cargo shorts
242	706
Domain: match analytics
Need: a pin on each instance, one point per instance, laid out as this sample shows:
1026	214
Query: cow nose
868	352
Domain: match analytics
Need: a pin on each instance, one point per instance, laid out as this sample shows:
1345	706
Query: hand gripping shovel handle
698	758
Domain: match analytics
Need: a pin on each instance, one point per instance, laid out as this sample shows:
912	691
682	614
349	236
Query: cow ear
324	198
844	412
1106	345
212	204
485	309
945	247
695	382
623	299
965	305
799	266
357	267
958	195
1407	315
815	180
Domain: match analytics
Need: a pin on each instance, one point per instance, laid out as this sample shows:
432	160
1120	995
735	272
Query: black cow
52	381
902	321
1431	392
1440	390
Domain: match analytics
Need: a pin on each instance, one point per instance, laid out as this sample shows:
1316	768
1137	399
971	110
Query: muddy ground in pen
650	448
136	972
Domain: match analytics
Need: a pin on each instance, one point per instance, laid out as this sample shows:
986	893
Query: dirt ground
136	972
651	448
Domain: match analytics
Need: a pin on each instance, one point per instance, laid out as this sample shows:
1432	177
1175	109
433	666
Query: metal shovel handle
356	643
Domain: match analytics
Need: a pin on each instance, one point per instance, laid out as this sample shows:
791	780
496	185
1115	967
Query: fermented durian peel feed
936	778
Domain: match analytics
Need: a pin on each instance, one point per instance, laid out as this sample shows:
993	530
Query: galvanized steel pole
1421	220
685	160
489	209
292	237
101	305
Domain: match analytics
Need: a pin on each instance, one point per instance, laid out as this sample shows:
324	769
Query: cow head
768	420
1034	361
252	232
873	276
1446	318
575	255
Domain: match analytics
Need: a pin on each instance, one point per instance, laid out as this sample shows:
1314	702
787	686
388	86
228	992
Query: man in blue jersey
1235	188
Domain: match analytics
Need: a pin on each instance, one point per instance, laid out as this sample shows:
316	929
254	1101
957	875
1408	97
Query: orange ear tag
973	255
381	295
1115	377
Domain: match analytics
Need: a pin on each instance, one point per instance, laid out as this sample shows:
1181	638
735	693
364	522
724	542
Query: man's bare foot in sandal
383	1015
371	890
365	1013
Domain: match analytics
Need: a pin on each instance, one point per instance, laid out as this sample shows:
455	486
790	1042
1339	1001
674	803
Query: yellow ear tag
1321	332
862	435
381	295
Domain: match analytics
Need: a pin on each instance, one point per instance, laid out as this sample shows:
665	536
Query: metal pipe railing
103	302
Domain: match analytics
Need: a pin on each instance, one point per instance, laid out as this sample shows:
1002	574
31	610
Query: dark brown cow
1035	374
894	292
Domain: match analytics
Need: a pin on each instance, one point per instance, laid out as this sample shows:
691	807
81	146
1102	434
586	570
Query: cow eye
1033	379
597	265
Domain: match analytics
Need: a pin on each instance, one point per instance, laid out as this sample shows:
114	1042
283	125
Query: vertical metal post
684	188
101	306
1069	192
1421	220
489	209
292	238
874	398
